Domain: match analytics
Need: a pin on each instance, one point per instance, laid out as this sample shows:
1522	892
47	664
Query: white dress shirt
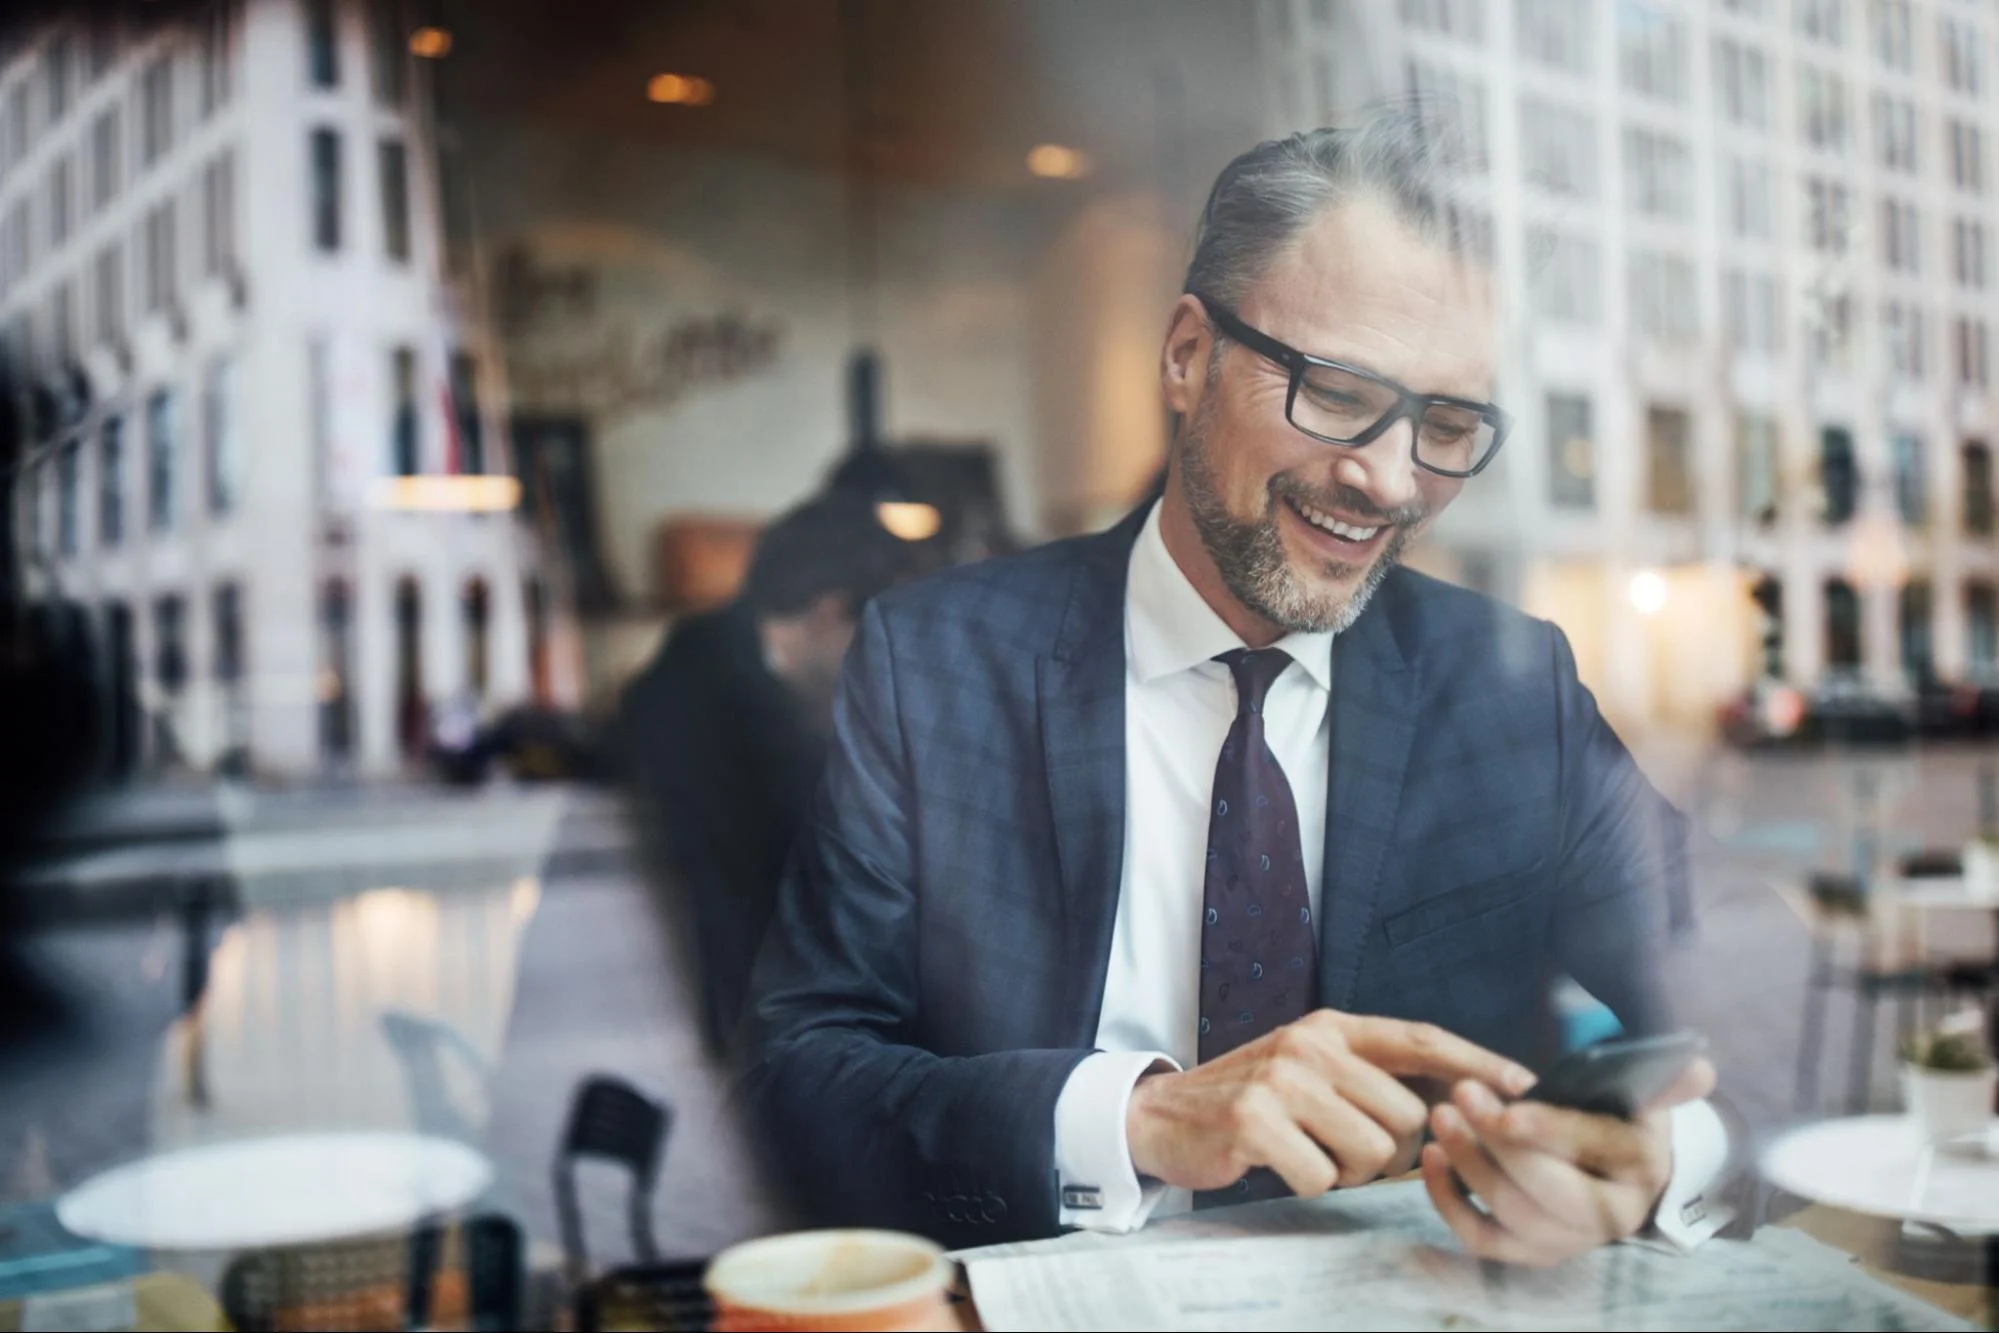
1179	706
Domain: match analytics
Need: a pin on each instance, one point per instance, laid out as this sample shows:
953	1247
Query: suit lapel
1081	686
1374	723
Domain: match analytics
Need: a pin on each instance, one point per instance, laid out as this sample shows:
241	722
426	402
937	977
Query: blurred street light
910	521
430	43
680	90
1053	161
446	493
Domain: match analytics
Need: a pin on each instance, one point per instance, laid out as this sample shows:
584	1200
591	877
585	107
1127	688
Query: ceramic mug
832	1281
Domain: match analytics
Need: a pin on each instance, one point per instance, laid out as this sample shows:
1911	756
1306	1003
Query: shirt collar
1169	626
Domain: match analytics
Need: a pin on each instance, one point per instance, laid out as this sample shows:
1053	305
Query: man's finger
1423	1050
1478	1233
1601	1144
1305	1167
1507	1198
1695	1082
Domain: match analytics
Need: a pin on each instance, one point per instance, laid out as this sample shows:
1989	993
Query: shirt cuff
1686	1215
1100	1189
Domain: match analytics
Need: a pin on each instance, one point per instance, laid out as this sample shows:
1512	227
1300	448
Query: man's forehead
1360	284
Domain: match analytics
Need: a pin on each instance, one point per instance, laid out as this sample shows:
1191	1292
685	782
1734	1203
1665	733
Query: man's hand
1555	1183
1318	1101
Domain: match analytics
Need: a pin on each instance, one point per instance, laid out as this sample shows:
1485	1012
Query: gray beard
1249	553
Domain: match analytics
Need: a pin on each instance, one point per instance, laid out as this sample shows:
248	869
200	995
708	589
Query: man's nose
1384	469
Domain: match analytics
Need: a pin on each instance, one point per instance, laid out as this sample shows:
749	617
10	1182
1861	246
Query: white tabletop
286	1190
1879	1164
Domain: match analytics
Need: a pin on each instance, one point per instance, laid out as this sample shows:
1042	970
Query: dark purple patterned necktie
1259	949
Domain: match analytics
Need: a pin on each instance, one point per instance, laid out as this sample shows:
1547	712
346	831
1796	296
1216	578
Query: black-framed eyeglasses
1341	404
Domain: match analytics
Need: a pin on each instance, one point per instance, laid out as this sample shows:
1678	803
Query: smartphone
1619	1077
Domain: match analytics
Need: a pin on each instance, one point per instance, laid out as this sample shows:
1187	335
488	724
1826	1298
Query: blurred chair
463	1276
1852	950
656	1296
423	1044
611	1120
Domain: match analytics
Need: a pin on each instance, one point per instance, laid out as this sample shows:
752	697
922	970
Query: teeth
1334	526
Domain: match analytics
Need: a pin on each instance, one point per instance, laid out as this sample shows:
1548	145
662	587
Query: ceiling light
1647	592
430	43
911	522
680	90
1055	162
449	493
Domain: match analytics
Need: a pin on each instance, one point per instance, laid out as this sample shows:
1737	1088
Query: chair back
468	1276
611	1120
421	1045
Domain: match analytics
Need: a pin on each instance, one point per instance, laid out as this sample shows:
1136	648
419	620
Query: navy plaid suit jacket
937	962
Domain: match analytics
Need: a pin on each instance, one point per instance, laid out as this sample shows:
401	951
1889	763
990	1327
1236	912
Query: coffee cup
832	1281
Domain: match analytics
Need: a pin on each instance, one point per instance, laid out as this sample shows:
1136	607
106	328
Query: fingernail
1479	1100
1518	1080
1449	1121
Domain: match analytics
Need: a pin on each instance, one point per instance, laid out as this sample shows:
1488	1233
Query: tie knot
1254	670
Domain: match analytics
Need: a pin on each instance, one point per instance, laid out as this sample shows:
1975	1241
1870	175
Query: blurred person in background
725	730
1216	857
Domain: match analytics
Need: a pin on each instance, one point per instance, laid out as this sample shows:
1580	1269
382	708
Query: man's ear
1183	361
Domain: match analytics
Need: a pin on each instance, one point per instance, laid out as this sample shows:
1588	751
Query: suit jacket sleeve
1622	849
871	1127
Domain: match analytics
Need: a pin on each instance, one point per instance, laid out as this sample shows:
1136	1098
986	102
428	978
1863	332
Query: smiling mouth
1355	533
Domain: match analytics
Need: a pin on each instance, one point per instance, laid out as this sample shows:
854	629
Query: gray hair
1407	155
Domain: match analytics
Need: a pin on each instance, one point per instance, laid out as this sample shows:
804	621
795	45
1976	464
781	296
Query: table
288	1189
1879	1167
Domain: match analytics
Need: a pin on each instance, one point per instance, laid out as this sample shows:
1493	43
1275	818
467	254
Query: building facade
229	320
1746	249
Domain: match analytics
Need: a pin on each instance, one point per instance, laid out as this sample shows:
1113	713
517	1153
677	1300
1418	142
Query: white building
223	284
1748	250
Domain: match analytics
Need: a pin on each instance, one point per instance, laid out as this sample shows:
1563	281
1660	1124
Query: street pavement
518	917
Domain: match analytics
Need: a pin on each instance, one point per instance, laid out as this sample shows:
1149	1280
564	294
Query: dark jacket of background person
937	964
724	752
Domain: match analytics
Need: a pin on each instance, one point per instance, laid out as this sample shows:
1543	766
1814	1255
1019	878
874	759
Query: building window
1658	174
389	41
1822	109
1669	485
1750	211
394	163
1742	84
111	481
170	643
1842	625
1981	624
1902	332
1756	456
161	448
1967	156
106	164
69	464
220	436
1664	299
218	215
1839	477
477	608
1750	311
1912	623
1830	325
322	44
403	458
1458	96
215	72
1961	55
162	276
63	337
17	124
1827	215
56	57
1558	148
1974	363
1967	252
1462	19
412	722
1911	483
100	49
1565	270
1558	33
1977	468
62	196
1900	236
336	699
1895	132
109	287
471	440
326	206
1571	452
1822	20
228	633
1651	51
156	110
1894	44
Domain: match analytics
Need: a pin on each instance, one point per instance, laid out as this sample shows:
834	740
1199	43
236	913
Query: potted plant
1948	1079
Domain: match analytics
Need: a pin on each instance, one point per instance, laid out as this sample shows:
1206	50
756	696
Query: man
726	730
1214	855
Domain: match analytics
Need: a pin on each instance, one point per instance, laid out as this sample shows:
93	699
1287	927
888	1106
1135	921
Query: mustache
1345	500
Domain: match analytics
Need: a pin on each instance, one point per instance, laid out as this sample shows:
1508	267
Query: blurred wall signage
613	369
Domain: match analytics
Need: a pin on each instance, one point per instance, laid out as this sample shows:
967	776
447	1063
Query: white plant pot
1949	1105
1981	870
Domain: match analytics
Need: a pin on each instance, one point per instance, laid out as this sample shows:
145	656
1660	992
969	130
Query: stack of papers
1381	1259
